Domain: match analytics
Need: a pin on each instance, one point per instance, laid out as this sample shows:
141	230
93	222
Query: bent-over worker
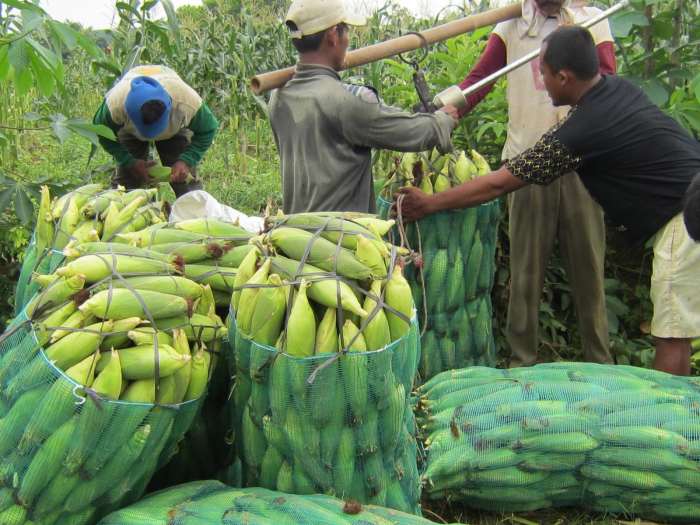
152	104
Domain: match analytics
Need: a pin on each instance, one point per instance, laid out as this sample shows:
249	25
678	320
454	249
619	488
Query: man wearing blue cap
153	104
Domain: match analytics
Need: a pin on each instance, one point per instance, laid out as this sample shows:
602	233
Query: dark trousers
169	152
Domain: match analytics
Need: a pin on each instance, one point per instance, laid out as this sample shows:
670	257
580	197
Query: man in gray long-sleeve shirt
325	129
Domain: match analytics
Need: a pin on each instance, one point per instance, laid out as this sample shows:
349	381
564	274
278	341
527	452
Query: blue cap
145	89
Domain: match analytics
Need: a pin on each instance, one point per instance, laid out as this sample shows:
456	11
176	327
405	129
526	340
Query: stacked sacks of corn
88	213
615	439
326	351
101	375
211	251
452	282
212	503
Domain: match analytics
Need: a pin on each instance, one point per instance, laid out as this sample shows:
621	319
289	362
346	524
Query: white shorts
675	282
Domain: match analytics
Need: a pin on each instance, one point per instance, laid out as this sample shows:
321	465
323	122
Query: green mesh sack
452	285
212	503
68	454
614	439
335	424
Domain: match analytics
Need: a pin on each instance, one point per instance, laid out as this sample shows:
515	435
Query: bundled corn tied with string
101	375
87	214
452	280
326	351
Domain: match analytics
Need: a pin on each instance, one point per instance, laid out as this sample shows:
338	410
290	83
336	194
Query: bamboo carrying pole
365	55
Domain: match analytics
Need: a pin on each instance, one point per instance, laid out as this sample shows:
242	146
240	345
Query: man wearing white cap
325	129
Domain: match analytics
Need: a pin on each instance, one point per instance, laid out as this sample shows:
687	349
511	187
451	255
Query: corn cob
140	391
66	225
199	327
57	293
301	326
97	267
213	227
119	336
482	167
296	243
14	422
232	257
245	272
44	222
191	252
397	295
148	194
426	186
167	284
140	362
442	180
76	346
269	312
116	468
377	333
379	227
464	168
146	335
121	303
354	369
182	376
44	281
246	305
55	319
77	320
368	253
324	290
218	278
79	196
74	250
87	231
201	361
327	334
115	222
206	305
46	463
157	234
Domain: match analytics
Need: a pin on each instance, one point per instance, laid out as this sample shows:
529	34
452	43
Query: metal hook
424	47
82	399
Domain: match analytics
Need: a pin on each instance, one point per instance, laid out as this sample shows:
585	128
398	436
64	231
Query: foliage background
53	75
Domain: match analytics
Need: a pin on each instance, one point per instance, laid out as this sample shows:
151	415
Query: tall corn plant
32	48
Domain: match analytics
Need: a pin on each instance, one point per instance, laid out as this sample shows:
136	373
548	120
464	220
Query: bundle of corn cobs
452	283
101	374
431	172
212	503
86	214
615	439
326	352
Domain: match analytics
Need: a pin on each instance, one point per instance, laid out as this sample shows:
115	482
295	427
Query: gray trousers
169	152
539	215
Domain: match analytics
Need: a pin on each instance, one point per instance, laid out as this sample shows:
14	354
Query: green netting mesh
614	439
452	292
69	456
212	503
324	424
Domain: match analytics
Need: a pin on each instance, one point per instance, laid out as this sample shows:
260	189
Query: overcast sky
101	13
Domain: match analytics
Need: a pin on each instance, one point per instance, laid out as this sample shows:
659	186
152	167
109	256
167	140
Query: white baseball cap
313	16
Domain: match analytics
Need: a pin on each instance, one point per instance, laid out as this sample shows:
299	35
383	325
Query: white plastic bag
199	203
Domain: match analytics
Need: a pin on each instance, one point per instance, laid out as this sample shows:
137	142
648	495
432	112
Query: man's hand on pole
452	111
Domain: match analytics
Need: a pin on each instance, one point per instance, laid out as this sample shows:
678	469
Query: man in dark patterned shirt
636	161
